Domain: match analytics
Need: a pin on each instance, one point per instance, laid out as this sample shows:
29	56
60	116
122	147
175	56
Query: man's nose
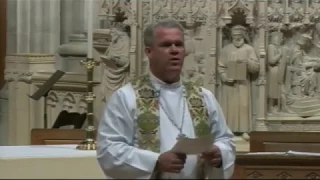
174	49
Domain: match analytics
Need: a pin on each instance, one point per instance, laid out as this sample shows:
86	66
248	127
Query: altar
48	162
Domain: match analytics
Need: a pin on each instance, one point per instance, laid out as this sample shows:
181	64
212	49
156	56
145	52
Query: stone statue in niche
190	49
302	81
301	70
276	71
237	62
197	72
194	60
117	63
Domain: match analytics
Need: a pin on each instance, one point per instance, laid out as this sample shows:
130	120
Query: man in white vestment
119	154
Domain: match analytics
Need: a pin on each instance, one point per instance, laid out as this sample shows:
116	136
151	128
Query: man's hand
213	157
171	162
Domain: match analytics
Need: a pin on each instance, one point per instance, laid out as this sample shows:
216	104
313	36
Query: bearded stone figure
237	63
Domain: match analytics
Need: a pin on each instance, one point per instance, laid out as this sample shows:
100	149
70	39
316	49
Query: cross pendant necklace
180	135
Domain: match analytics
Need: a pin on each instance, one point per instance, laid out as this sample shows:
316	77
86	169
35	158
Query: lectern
44	90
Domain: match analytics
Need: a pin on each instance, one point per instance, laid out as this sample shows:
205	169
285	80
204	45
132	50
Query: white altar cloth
48	161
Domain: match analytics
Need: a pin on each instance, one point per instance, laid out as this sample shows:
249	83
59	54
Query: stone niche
261	59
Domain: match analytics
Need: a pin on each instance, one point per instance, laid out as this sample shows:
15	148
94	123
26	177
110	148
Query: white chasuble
120	159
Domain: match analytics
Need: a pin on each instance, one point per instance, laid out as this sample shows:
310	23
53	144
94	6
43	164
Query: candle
90	28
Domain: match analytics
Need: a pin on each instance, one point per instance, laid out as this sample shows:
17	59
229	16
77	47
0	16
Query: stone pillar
259	124
3	115
211	64
70	54
74	17
33	26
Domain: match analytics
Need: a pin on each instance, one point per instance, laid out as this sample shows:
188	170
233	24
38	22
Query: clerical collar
160	84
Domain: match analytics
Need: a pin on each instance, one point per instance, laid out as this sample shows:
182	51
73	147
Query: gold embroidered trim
148	112
147	124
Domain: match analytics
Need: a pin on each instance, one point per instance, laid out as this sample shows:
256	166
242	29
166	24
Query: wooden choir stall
280	155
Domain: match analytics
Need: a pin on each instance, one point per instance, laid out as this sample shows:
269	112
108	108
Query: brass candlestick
89	143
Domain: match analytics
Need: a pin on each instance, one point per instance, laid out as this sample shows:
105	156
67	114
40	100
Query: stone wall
260	58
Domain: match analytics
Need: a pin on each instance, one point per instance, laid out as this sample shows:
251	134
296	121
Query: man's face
277	40
237	39
167	53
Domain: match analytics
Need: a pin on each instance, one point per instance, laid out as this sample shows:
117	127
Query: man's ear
147	50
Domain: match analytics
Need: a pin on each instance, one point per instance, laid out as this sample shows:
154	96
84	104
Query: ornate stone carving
194	62
298	66
64	100
277	63
295	73
275	11
314	11
116	59
237	58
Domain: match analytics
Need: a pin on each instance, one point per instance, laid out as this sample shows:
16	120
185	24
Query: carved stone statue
296	66
303	79
116	59
276	57
236	91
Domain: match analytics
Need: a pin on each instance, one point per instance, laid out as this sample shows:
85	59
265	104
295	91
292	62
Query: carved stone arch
236	9
52	99
112	10
68	102
239	5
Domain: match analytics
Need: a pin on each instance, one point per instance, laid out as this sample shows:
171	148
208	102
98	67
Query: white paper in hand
193	146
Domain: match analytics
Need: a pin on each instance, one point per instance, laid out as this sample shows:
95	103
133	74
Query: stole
148	123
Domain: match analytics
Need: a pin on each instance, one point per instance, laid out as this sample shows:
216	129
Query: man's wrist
219	165
157	165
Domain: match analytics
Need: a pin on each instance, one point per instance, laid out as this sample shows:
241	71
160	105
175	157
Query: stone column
211	64
3	115
33	26
259	124
74	17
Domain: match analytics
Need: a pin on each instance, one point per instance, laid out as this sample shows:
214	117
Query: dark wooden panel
277	167
284	141
282	147
59	141
57	136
